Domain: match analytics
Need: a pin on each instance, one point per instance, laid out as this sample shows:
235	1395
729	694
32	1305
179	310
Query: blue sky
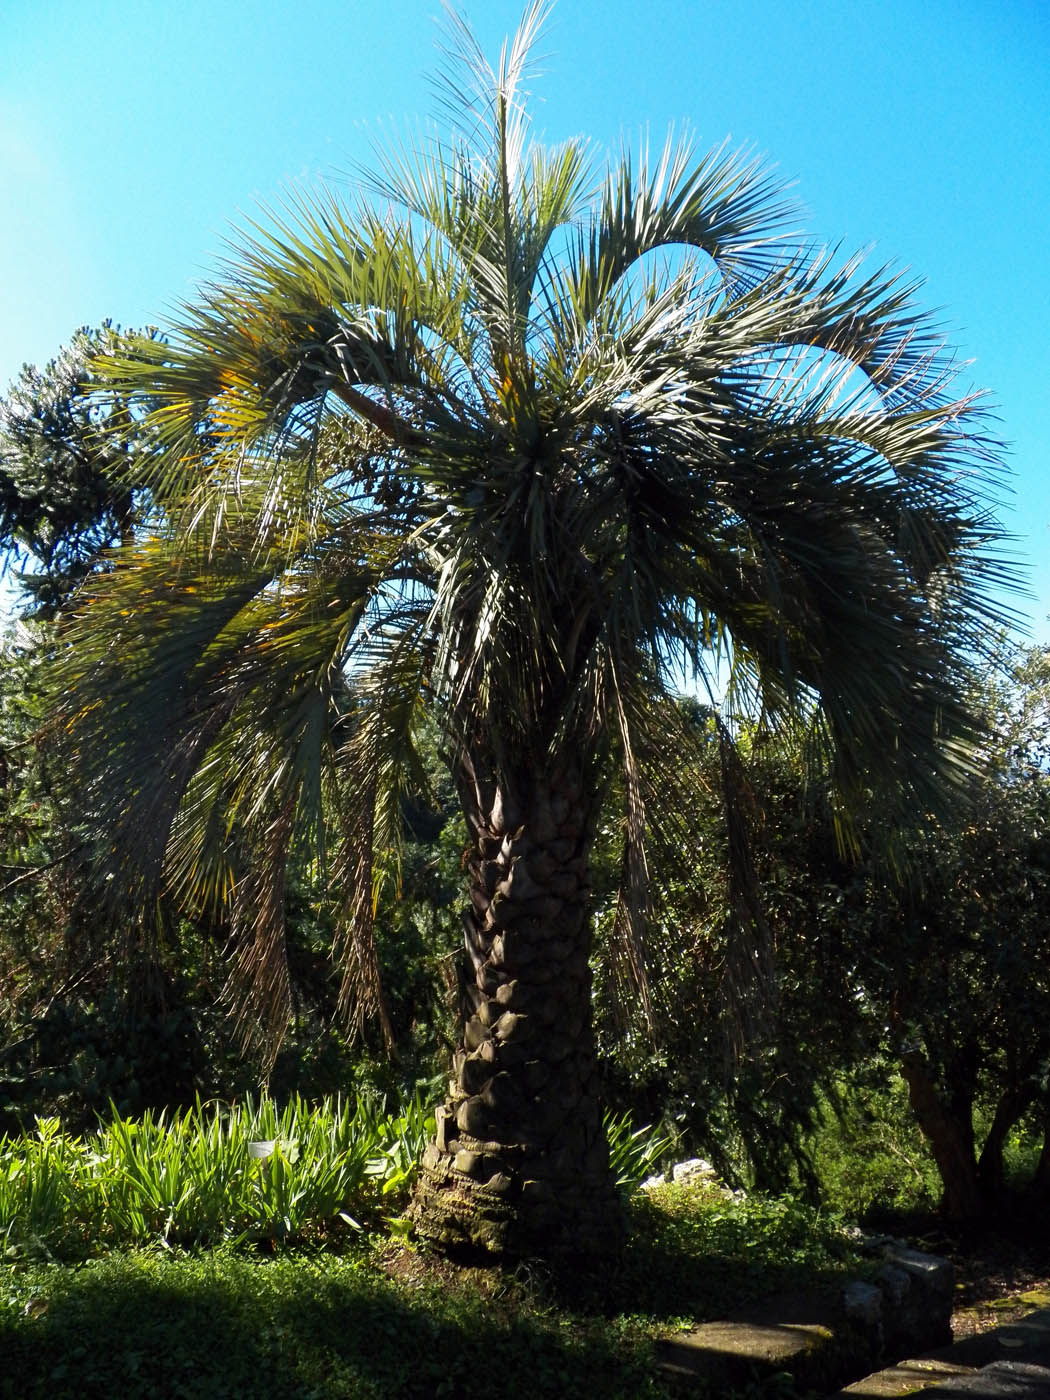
132	132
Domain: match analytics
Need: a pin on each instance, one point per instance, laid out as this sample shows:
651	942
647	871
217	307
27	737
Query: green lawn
382	1322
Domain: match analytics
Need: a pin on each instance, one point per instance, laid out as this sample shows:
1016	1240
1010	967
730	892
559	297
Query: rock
1003	1380
730	1356
894	1285
862	1303
693	1171
824	1338
919	1295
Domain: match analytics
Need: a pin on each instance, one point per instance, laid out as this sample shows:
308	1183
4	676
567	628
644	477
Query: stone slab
1004	1380
1022	1348
906	1378
825	1336
1025	1340
797	1332
735	1346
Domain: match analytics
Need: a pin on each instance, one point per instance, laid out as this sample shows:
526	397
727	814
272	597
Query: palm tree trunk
519	1166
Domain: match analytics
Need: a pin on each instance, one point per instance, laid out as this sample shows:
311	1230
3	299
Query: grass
223	1324
380	1321
167	1256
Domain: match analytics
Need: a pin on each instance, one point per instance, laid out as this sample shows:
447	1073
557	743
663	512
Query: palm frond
529	441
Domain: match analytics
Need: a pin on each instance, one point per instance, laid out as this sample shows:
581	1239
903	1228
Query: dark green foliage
98	1008
384	1324
964	978
77	1056
328	1329
501	449
932	963
700	1255
517	437
867	1151
69	489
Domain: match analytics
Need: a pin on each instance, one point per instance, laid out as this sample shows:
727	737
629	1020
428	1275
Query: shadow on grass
702	1265
221	1325
217	1324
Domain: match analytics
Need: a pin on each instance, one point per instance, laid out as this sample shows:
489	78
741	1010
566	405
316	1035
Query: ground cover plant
378	1320
322	1303
211	1173
252	1172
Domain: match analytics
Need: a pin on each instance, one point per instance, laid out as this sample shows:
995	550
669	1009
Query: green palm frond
528	440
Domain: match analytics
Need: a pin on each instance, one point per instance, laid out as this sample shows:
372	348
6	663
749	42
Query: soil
999	1278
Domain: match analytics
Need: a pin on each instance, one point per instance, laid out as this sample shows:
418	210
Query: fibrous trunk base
508	1219
519	1167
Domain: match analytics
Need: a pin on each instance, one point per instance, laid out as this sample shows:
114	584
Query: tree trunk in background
1041	1180
950	1142
520	1167
990	1168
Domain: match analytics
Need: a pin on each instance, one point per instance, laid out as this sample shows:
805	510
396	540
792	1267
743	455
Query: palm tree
524	444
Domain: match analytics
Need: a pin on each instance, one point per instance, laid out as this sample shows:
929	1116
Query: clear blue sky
132	132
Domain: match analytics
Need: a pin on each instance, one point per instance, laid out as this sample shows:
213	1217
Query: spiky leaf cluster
529	438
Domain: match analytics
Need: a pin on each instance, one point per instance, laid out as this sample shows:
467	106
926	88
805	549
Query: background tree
99	1008
520	442
69	489
969	1008
936	966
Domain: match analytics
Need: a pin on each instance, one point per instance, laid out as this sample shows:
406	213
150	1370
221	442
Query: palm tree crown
523	441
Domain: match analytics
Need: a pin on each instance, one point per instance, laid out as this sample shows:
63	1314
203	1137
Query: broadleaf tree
69	488
525	441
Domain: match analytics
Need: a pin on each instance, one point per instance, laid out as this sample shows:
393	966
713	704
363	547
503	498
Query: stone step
1009	1361
789	1333
822	1338
1001	1380
905	1378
